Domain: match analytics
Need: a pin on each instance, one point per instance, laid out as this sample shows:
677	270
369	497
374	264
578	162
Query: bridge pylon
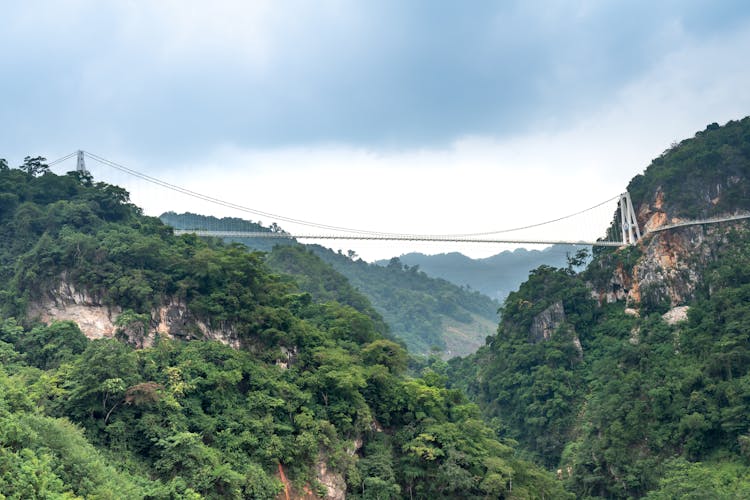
631	233
81	163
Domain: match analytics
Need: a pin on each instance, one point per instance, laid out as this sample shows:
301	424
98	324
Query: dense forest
428	314
224	377
256	387
619	393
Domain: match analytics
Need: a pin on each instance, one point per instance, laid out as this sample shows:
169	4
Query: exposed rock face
334	482
96	320
620	287
68	303
671	264
652	216
288	355
669	270
674	261
676	315
546	322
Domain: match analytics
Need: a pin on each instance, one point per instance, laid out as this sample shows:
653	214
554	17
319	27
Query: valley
136	363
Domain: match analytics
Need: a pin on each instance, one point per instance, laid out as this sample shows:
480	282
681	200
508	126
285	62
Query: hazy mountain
494	276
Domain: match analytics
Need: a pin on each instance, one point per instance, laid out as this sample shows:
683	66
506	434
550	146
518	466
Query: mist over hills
494	276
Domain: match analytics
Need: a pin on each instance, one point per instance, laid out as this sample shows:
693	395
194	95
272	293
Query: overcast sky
393	116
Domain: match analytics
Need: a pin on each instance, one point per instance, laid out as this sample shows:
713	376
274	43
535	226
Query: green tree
34	166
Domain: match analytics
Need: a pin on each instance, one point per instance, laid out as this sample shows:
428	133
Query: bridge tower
81	163
631	233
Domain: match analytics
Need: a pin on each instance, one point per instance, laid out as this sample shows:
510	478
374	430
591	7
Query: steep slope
633	377
296	392
494	276
427	314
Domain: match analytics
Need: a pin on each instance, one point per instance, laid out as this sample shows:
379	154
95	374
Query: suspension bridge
572	229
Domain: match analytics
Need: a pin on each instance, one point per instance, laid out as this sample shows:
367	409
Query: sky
426	117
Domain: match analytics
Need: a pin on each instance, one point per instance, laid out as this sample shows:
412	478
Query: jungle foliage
417	309
627	405
416	306
314	377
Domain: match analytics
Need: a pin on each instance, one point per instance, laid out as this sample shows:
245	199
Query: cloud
174	79
392	116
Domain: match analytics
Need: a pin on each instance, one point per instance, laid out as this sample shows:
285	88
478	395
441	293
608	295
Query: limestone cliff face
96	320
671	263
544	325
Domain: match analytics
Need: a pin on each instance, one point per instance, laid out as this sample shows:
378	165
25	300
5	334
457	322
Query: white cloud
290	108
484	183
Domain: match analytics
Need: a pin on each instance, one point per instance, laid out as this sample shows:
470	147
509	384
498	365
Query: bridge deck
386	237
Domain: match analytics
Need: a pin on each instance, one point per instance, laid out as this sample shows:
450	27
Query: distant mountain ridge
494	276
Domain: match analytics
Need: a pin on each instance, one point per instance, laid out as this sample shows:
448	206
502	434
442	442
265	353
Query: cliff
707	176
657	393
171	319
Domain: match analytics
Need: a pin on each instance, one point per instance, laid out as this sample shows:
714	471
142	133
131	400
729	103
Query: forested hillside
632	378
427	314
138	364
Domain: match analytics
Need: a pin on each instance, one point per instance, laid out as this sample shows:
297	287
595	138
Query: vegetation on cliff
315	381
700	177
625	402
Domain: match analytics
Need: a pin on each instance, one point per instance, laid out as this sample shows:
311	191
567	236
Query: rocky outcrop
333	481
172	319
544	325
676	315
671	263
674	261
669	269
288	355
621	286
66	302
333	484
546	322
652	215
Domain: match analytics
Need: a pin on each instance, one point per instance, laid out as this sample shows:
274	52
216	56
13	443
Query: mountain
632	377
494	276
135	363
427	314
